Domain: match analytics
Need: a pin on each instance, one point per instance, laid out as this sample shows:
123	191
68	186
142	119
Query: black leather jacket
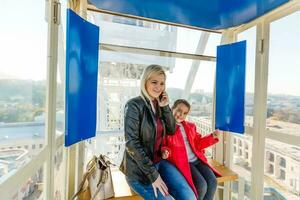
140	132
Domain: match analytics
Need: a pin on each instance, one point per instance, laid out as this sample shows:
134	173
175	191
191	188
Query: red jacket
178	154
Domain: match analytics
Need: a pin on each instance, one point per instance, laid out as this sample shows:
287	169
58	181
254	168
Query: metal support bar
195	65
241	188
154	52
70	169
260	112
53	21
227	190
79	163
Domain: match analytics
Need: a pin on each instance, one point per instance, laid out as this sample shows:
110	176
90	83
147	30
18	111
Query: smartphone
160	97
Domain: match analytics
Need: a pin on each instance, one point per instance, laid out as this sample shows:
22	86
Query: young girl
185	150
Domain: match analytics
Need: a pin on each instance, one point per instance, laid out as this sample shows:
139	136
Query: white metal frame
260	110
50	128
160	53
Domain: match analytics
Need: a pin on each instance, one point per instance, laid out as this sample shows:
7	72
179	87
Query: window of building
270	156
240	152
282	162
270	169
292	182
282	174
281	181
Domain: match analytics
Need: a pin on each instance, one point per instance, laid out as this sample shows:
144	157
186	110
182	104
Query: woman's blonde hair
148	72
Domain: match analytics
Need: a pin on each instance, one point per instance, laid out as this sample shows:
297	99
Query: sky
23	50
23	39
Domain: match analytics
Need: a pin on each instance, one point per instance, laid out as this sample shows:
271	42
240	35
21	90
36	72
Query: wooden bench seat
227	174
123	191
121	188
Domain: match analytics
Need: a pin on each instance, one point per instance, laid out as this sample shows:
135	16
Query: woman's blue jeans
175	181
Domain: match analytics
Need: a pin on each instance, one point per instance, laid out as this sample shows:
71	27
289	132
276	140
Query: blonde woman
148	118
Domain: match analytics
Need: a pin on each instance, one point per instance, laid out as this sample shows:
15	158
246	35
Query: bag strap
85	176
91	166
106	160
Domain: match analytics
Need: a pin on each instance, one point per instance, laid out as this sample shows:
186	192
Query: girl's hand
216	133
165	154
160	184
163	99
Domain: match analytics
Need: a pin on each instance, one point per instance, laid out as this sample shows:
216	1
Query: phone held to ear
160	97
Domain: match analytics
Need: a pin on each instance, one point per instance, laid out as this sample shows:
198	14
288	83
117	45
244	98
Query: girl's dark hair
183	101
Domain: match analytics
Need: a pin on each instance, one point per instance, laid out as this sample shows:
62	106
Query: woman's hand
160	184
163	99
216	133
165	154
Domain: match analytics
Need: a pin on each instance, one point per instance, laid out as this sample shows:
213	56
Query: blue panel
81	78
210	14
234	12
230	87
